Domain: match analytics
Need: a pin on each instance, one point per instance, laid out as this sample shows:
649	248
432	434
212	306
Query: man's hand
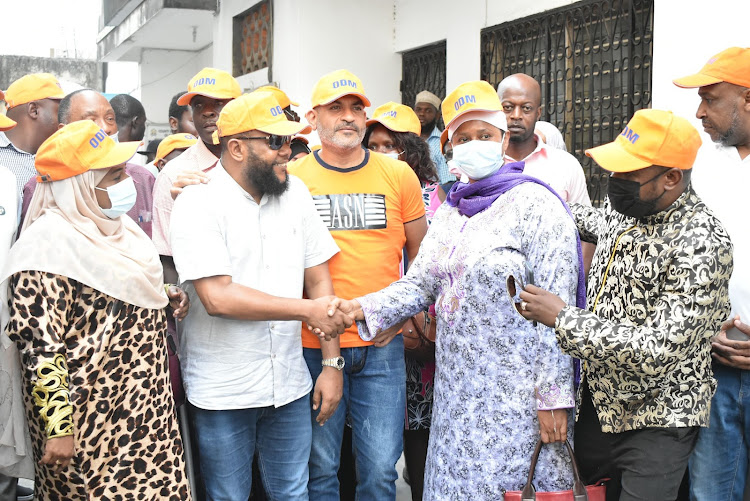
179	301
329	388
352	308
58	452
732	353
553	425
540	305
325	319
186	179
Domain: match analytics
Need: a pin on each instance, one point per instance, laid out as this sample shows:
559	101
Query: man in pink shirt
208	92
521	98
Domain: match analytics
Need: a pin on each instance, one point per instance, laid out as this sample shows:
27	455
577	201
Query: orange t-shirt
365	208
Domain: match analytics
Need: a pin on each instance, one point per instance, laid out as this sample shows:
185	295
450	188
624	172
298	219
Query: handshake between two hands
331	315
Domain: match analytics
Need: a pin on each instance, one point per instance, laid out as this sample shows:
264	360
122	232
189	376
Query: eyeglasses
274	142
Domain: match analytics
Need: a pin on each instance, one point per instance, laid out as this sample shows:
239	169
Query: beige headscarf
66	233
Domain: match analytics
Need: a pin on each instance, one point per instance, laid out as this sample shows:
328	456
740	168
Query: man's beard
429	127
263	177
329	136
731	136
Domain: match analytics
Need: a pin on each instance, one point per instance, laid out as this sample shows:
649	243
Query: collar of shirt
436	132
541	147
5	142
220	176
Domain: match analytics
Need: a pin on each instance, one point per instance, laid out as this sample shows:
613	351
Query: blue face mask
122	197
478	159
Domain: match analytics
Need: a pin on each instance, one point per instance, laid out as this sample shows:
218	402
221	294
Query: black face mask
625	197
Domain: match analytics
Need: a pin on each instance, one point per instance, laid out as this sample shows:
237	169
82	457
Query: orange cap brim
697	80
614	158
184	100
6	123
286	128
121	153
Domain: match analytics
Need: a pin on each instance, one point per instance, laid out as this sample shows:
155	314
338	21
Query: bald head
521	83
87	104
521	98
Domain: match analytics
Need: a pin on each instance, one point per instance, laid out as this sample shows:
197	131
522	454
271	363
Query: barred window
423	69
593	62
252	39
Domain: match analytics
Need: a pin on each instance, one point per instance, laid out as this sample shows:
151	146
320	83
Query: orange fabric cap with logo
213	83
174	142
396	117
79	147
279	94
337	84
33	87
256	111
469	96
5	122
652	137
731	66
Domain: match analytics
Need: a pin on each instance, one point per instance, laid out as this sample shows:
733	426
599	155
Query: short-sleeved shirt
20	163
197	157
218	229
365	207
559	169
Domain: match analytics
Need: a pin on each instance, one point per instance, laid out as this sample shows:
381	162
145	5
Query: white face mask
393	154
478	159
114	137
122	197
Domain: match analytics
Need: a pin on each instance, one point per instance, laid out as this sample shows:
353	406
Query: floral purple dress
494	369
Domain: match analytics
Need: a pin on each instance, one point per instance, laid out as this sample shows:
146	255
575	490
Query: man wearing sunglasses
373	207
248	243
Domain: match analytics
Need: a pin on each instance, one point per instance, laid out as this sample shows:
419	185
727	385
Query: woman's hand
58	452
553	425
179	301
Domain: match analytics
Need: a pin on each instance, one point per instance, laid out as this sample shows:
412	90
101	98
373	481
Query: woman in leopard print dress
87	312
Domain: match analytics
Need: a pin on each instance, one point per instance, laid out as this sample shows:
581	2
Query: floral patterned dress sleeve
38	323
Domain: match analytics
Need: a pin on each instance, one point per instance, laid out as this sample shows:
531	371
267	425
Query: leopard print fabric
127	443
658	291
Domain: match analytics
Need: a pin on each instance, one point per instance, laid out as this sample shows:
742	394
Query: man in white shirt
721	177
249	243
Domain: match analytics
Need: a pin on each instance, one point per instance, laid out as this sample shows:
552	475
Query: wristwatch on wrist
335	362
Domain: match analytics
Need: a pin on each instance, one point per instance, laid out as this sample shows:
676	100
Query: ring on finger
58	463
523	305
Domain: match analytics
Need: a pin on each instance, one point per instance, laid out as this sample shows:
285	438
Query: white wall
684	39
315	38
163	74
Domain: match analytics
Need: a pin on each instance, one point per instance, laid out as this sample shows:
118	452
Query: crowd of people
250	317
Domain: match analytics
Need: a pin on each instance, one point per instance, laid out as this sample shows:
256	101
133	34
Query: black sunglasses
274	142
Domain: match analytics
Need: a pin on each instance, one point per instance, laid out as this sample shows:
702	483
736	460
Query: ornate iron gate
423	69
593	61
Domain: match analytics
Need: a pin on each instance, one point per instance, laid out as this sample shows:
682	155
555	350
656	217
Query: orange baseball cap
469	96
652	137
213	83
79	147
174	142
5	122
337	84
256	111
33	87
396	117
279	94
731	66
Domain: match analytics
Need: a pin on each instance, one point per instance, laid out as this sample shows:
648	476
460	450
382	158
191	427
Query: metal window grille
593	62
423	69
253	39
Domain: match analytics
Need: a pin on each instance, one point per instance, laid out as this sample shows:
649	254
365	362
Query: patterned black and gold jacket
658	291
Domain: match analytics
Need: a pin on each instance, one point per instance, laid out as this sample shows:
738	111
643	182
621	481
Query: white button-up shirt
218	229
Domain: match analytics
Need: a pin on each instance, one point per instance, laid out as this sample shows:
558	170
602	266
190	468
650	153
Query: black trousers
646	464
